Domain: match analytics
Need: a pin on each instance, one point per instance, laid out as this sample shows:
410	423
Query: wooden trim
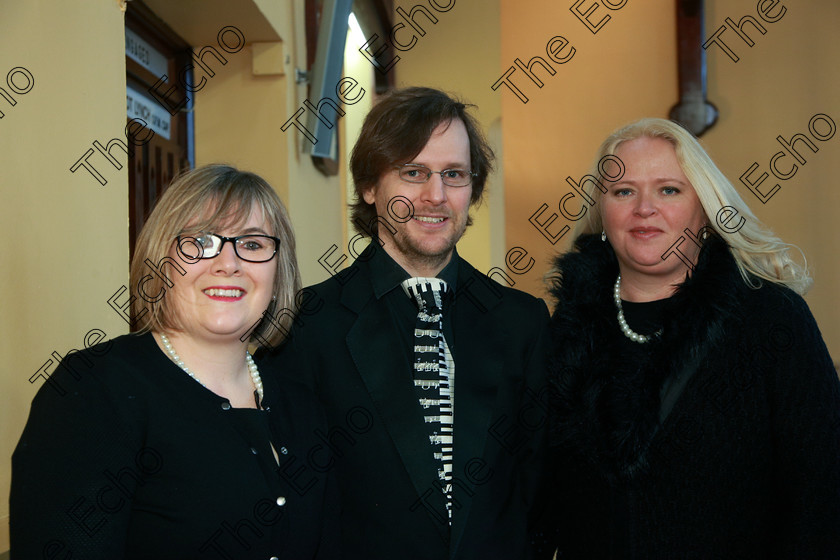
313	9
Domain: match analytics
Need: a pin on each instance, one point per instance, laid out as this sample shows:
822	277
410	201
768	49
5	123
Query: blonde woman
696	409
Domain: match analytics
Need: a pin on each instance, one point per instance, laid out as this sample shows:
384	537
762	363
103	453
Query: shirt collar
386	274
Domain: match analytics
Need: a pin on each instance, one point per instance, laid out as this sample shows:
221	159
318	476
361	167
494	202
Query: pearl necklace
252	367
622	322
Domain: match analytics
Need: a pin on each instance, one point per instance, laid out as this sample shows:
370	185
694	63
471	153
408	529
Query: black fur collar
607	405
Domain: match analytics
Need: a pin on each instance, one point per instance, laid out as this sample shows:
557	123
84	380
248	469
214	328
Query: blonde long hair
757	251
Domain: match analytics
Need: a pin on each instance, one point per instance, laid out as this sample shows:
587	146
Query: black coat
125	457
747	462
348	350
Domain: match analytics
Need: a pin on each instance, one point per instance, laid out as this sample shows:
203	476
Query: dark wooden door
153	164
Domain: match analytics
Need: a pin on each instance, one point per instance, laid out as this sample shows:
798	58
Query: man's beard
414	252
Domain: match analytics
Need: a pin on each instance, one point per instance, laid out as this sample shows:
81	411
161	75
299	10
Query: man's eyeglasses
413	173
251	248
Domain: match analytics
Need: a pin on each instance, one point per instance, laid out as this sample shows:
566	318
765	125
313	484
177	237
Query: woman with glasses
696	410
168	443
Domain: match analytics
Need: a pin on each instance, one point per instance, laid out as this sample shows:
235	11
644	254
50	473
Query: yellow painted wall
777	86
627	70
237	121
65	249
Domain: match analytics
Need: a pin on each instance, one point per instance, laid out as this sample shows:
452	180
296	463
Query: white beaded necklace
622	322
252	367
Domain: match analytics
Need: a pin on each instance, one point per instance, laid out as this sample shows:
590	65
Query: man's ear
369	195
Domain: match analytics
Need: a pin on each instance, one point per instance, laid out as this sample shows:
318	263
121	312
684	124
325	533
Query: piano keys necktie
433	379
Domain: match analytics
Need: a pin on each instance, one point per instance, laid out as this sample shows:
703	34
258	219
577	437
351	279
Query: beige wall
65	249
628	70
778	85
236	121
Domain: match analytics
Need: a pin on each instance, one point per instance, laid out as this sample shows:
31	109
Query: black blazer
345	347
742	462
124	457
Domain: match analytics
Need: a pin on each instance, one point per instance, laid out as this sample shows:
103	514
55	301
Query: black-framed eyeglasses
251	248
414	173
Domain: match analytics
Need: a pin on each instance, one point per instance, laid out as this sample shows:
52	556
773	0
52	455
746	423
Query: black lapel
381	363
480	340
